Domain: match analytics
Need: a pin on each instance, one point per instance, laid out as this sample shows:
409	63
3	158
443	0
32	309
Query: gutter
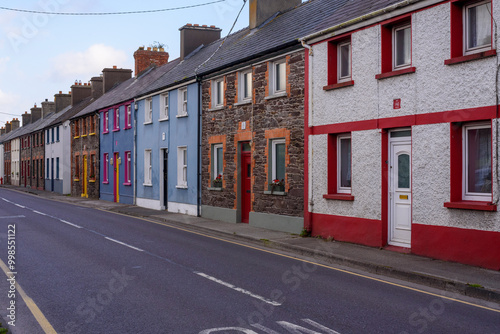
363	18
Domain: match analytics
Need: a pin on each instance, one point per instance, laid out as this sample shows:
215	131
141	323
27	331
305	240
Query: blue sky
41	55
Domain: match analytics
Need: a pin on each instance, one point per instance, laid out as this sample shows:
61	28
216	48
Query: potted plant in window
217	183
277	185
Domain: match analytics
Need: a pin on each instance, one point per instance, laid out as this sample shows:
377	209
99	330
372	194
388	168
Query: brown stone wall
37	159
84	144
264	119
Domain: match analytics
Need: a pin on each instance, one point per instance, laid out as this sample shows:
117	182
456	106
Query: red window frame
333	63
333	169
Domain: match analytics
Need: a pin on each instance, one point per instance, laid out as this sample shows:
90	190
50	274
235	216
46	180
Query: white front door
400	188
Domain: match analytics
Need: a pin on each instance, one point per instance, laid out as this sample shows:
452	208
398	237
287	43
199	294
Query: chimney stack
262	10
15	123
112	76
97	87
192	36
8	127
2	131
62	101
48	107
26	118
145	58
79	93
36	113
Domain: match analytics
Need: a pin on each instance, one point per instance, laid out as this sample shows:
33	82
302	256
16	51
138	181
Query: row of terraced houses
368	121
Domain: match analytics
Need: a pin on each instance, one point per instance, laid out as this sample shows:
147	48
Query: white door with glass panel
400	188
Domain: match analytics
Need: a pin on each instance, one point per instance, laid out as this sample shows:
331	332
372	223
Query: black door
52	175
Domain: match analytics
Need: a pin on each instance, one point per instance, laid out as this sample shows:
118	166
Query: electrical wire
223	41
112	13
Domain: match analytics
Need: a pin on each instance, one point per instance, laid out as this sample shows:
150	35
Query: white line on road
246	292
124	244
9	217
40	213
6	200
19	205
65	222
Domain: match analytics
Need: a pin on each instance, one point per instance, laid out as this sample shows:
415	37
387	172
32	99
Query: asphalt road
82	270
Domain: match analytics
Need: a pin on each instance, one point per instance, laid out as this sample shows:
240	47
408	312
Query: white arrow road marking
124	244
246	292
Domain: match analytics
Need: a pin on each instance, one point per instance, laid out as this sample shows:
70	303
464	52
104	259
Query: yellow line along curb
37	313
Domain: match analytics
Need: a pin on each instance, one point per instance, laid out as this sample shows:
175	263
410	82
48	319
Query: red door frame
246	185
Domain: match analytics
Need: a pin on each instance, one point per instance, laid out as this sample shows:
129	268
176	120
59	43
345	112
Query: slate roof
129	89
281	31
70	111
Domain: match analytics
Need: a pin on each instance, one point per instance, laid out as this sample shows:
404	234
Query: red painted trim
351	229
332	164
340	197
386	45
456	29
307	131
339	85
473	247
385	187
475	56
395	73
332	63
471	205
462	115
397	20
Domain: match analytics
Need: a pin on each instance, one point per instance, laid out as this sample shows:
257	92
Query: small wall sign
397	104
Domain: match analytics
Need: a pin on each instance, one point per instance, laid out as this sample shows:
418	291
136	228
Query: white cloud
9	103
3	63
85	64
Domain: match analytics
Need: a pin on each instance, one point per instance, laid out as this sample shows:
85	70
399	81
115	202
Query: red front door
246	192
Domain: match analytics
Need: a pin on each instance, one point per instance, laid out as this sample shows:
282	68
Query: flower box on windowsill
339	197
275	193
214	188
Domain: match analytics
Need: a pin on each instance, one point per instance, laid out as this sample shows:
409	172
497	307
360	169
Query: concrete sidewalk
448	276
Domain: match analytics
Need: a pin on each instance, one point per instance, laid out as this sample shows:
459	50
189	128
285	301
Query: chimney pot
204	25
114	67
212	26
189	24
196	25
60	92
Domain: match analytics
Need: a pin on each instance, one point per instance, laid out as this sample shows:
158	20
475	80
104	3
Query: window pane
247	92
479	25
280	76
479	160
280	161
345	69
404	171
345	162
403	46
219	161
219	93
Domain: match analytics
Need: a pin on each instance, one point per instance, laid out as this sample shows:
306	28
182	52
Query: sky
41	54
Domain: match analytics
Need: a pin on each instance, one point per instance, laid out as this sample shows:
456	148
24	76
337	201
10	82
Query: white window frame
129	116
395	46
105	124
182	167
274	89
275	142
164	100
340	189
216	161
466	195
476	49
128	166
148	113
116	121
148	167
339	62
218	92
182	109
241	86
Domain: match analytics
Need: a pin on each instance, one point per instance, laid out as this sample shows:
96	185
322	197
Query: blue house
169	130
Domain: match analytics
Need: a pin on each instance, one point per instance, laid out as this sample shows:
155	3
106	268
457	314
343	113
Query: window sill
181	187
91	181
181	116
80	136
396	73
475	56
92	134
116	130
75	180
127	184
276	96
339	85
275	193
147	184
339	197
471	205
73	138
105	132
147	123
105	182
214	189
163	119
216	108
242	103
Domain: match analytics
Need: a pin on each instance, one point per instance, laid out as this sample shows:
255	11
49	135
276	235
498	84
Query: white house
401	128
15	161
58	153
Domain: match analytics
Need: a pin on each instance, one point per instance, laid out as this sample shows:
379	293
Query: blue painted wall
169	134
119	142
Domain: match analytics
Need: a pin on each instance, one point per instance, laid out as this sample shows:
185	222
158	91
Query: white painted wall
15	163
434	87
61	150
1	161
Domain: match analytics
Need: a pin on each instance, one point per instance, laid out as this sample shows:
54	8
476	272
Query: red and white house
401	130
